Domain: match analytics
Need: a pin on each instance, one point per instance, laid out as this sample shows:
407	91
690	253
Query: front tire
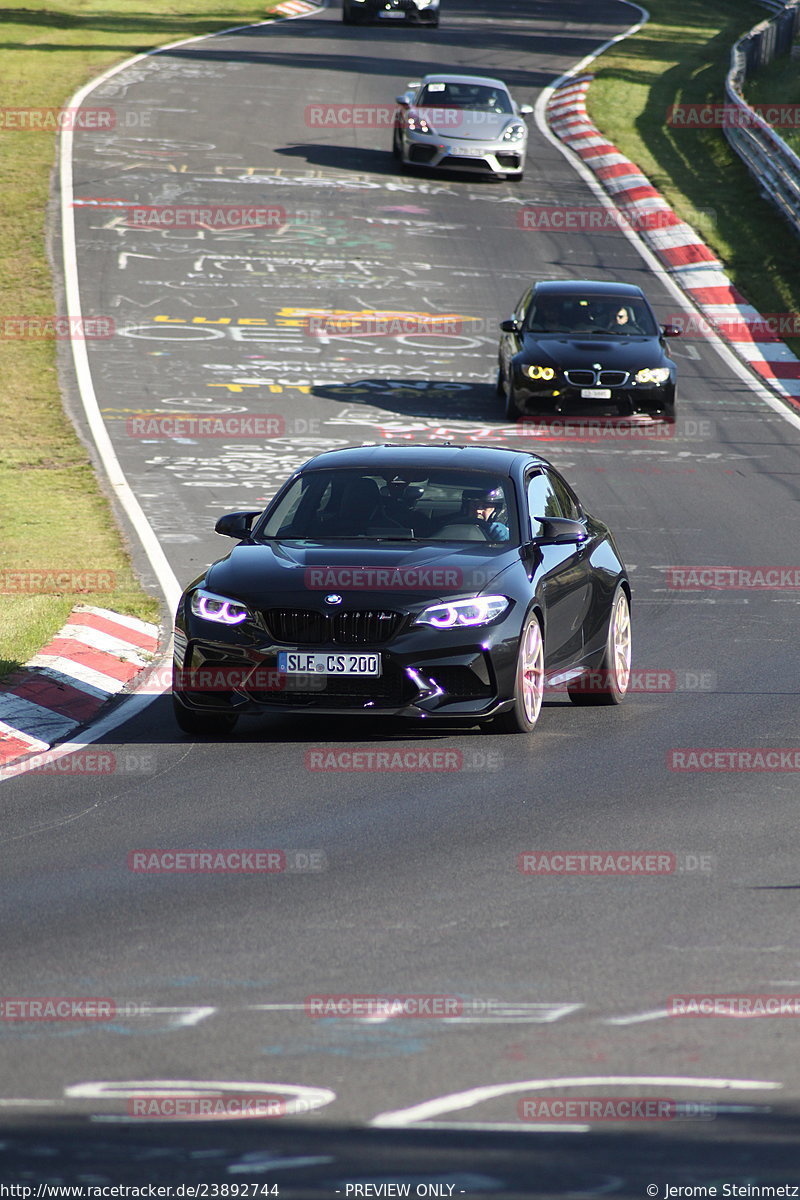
203	724
529	682
511	409
609	683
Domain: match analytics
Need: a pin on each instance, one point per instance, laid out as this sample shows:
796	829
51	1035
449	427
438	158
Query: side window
522	306
566	497
542	501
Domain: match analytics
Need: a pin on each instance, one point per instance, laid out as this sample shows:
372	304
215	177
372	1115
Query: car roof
465	79
393	457
590	286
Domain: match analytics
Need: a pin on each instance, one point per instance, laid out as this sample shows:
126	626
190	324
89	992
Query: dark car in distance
423	12
585	345
426	582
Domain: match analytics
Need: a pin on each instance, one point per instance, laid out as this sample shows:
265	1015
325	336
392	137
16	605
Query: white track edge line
167	581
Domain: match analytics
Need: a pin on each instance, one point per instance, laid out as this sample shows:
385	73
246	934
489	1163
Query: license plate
596	393
299	662
470	151
392	16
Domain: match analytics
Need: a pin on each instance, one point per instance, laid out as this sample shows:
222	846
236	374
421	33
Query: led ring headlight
652	375
478	611
211	607
535	372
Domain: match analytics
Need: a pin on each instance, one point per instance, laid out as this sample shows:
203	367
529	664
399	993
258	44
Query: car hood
466	126
292	574
624	354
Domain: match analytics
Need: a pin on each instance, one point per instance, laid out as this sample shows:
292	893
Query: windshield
574	313
477	97
416	506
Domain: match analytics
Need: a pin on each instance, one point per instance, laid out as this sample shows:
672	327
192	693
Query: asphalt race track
563	979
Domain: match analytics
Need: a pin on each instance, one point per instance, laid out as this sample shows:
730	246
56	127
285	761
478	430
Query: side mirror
561	531
405	100
511	326
236	524
671	330
525	110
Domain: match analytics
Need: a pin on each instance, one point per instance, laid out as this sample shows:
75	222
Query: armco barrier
774	165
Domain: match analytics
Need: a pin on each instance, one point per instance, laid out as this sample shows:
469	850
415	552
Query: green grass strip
778	83
681	57
55	514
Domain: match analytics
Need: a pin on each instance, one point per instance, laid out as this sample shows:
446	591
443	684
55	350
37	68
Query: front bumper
561	396
391	10
496	158
426	673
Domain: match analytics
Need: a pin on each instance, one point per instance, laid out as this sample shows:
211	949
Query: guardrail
773	164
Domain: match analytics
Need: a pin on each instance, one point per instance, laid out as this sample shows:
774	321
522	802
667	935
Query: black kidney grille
613	378
364	628
580	378
302	627
297	626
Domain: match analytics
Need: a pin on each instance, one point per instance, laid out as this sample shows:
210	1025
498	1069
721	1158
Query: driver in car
484	507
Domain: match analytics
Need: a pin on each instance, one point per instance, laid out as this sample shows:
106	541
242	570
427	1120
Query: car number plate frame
596	393
330	662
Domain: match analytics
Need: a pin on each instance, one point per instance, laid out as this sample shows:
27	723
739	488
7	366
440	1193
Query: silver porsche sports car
462	123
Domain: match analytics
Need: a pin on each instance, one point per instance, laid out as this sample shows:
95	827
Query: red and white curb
693	266
93	657
295	8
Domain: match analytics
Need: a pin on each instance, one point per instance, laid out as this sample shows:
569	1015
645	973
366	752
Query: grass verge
56	516
681	57
779	83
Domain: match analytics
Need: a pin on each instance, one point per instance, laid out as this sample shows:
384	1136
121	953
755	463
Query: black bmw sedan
582	345
417	581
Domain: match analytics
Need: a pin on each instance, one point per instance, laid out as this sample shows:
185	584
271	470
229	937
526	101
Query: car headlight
417	124
514	132
535	372
217	608
477	611
424	3
652	375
